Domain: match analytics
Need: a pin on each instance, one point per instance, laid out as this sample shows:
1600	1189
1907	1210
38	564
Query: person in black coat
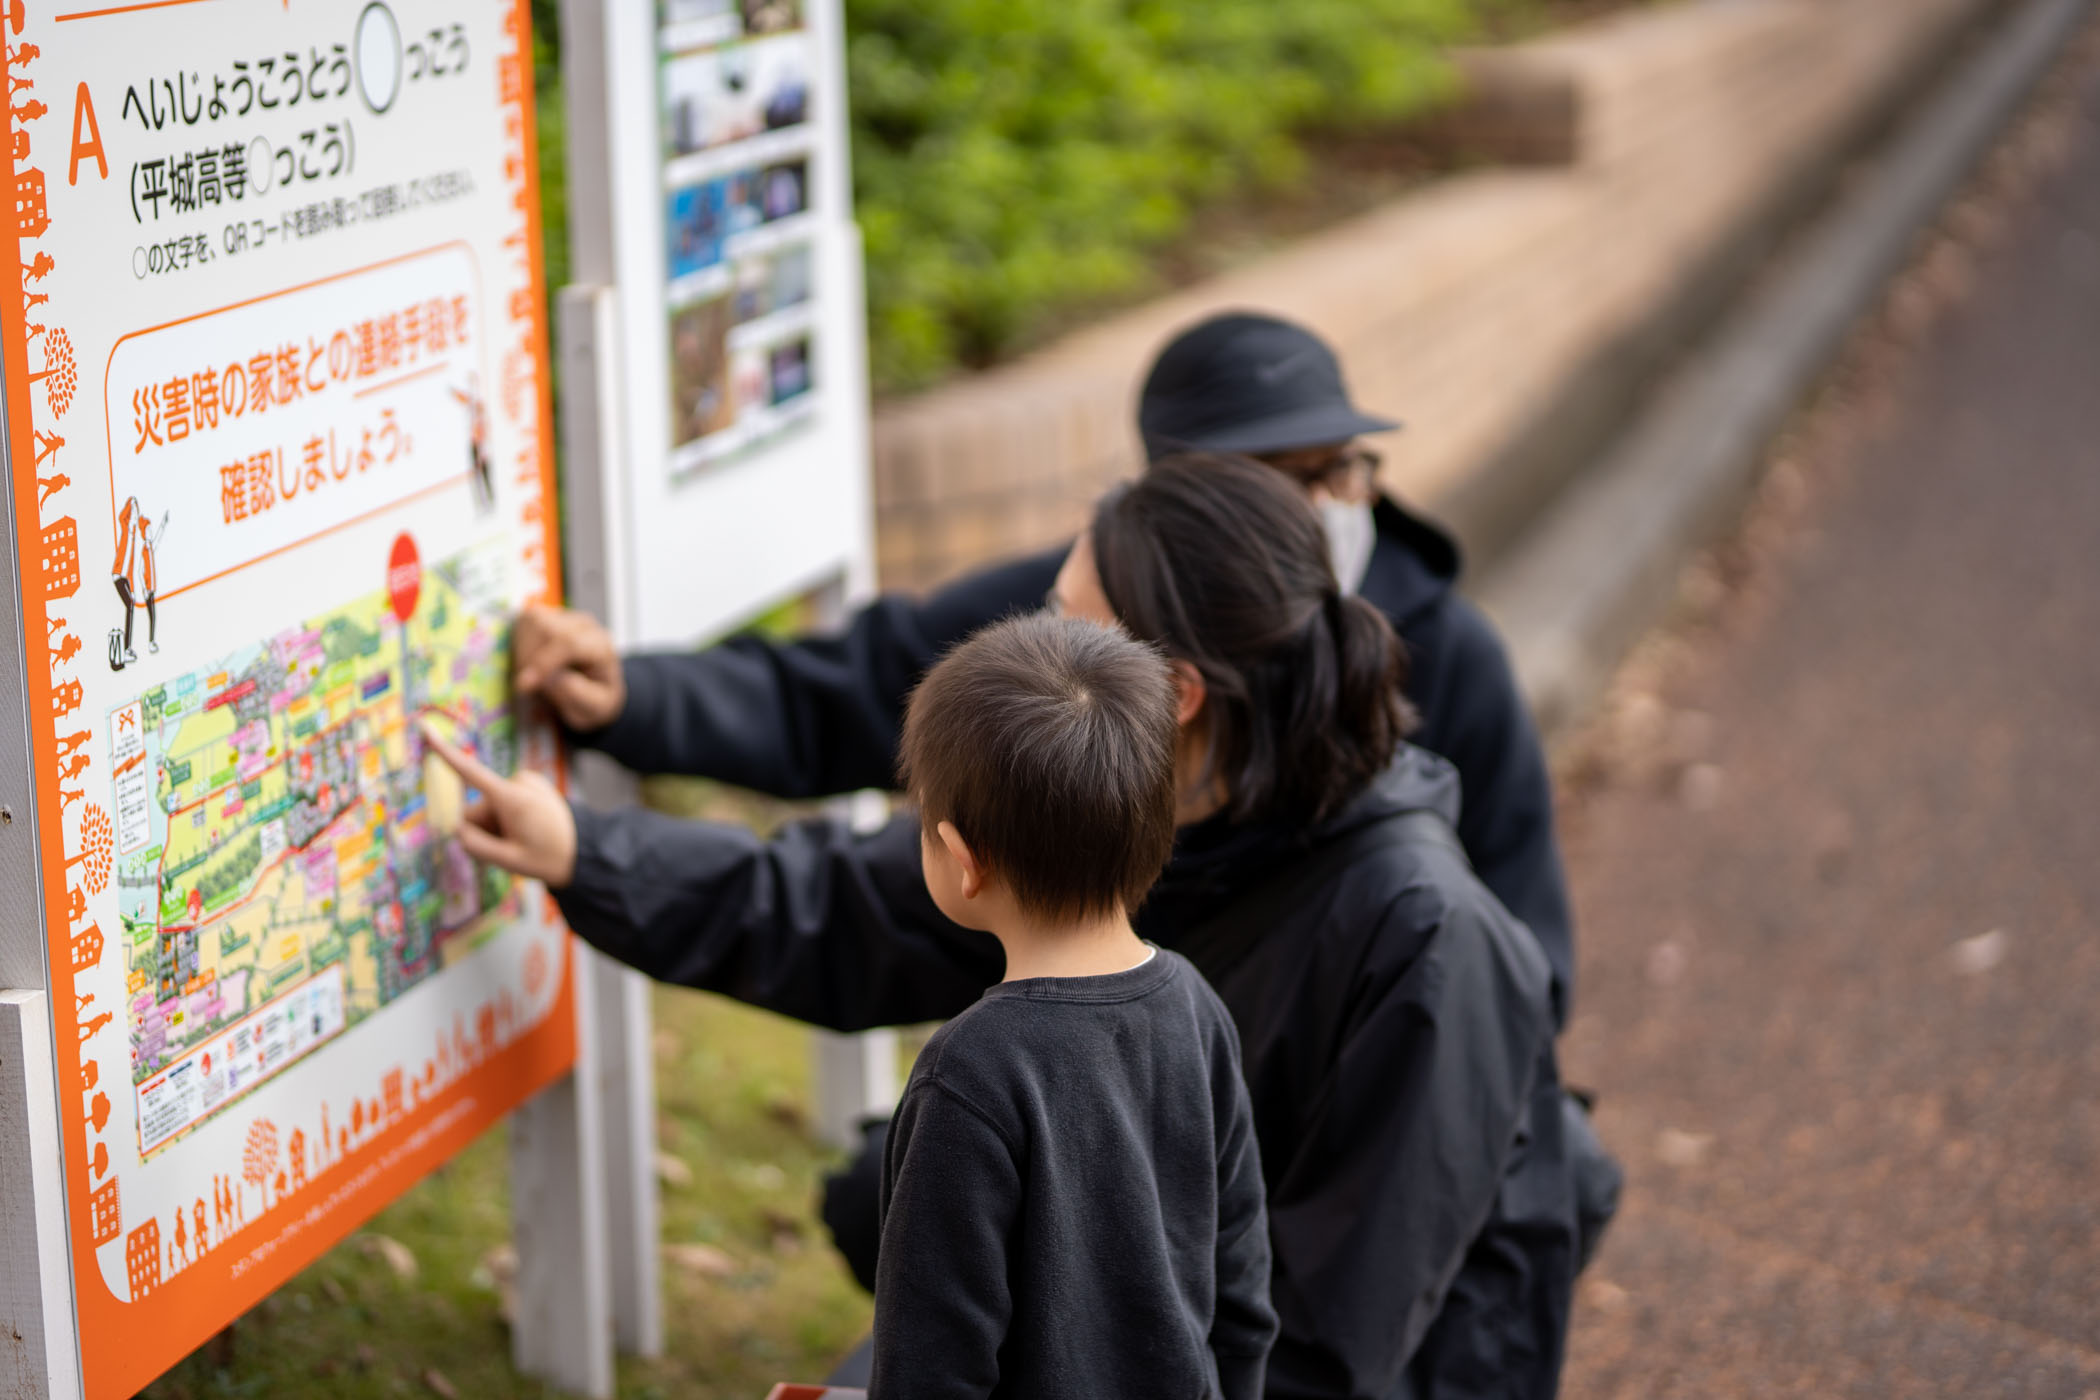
819	716
1396	1020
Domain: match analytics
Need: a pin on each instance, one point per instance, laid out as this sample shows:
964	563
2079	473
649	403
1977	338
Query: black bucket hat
1243	382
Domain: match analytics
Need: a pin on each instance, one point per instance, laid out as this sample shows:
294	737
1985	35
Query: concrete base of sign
39	1356
562	1328
627	1109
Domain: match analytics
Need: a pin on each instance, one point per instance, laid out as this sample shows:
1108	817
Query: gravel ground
1835	844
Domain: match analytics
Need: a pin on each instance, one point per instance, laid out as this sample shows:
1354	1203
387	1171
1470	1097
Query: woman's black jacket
820	715
1396	1022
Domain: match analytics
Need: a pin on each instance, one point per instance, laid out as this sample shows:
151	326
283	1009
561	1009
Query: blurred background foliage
1015	158
1019	162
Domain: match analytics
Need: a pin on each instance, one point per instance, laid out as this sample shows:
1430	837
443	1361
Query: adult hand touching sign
568	659
522	824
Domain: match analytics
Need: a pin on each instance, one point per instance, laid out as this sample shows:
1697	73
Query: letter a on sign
91	145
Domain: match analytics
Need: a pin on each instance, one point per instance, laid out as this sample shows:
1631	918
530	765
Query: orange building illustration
104	1215
30	215
87	948
142	1259
61	559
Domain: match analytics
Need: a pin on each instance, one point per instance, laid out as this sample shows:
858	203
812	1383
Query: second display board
738	145
713	198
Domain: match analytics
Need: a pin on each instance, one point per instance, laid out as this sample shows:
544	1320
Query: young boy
1072	1195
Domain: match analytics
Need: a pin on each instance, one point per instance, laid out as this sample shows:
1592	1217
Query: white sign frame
563	1331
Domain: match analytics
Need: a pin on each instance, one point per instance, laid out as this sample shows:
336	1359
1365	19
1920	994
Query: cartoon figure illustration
133	574
483	479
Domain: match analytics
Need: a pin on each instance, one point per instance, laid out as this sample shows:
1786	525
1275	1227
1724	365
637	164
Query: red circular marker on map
404	577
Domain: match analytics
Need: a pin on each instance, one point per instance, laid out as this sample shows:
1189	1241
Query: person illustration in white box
133	574
481	477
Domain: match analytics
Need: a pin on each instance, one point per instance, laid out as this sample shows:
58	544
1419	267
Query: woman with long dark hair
1396	1021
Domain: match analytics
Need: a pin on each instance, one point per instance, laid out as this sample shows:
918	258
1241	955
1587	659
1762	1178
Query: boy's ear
959	851
1190	691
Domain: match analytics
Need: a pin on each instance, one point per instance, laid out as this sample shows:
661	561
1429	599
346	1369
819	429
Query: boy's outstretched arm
951	1199
814	923
804	718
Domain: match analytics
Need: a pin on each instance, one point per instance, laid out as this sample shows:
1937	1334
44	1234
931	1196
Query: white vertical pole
854	1077
562	1329
577	1261
594	544
39	1353
627	1110
588	339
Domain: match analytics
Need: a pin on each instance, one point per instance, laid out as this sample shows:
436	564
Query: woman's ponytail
1371	664
1222	562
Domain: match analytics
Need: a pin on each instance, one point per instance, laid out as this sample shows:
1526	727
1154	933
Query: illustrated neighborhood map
276	874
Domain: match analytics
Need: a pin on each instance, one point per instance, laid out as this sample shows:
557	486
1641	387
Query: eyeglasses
1349	472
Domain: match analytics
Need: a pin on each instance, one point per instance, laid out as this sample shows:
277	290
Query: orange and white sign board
276	405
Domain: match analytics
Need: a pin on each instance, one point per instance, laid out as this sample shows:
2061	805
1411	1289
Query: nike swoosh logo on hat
1271	374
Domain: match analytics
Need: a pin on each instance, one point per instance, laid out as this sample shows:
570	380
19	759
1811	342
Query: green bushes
1015	158
1017	161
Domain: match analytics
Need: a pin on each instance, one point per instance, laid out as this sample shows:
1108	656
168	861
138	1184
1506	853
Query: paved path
1836	855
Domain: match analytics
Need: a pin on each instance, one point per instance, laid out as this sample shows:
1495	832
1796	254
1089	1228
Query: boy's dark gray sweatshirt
1072	1200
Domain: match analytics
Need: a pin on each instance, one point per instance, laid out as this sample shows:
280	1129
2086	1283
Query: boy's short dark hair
1049	743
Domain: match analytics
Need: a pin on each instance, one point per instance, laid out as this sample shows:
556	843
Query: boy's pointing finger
465	764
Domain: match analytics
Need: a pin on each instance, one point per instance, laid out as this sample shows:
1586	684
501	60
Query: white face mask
1351	536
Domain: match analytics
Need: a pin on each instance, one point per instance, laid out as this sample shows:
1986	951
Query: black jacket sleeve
951	1207
1404	1151
814	923
815	716
1243	1327
1474	715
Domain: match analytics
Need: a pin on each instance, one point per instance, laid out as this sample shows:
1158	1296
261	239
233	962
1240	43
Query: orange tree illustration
259	1157
96	839
58	371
